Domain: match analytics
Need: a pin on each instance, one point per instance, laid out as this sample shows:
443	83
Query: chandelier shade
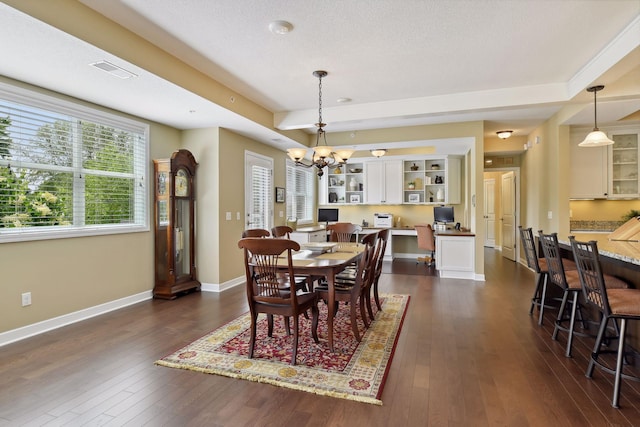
595	138
323	155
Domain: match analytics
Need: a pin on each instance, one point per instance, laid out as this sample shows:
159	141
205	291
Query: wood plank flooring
469	355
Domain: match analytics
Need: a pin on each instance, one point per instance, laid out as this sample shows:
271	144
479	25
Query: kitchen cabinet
588	177
623	165
383	182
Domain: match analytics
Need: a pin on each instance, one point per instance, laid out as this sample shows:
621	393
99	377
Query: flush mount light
378	152
280	27
504	134
596	138
114	69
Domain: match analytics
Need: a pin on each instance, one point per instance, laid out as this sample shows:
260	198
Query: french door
258	204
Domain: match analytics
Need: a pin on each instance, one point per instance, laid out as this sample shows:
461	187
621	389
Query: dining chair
383	237
343	231
255	232
427	242
613	303
349	288
284	231
265	290
539	266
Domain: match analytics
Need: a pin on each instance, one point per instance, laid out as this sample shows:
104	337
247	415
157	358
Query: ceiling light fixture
323	155
504	134
378	152
596	138
280	27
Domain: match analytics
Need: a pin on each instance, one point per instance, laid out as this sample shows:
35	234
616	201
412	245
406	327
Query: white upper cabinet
623	165
383	182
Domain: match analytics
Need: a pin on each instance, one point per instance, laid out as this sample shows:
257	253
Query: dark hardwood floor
469	355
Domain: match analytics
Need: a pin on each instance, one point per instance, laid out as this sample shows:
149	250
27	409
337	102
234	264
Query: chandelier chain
320	124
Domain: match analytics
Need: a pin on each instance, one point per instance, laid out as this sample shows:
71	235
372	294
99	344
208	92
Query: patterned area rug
356	371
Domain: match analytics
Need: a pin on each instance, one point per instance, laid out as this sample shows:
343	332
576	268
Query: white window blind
67	170
261	194
300	193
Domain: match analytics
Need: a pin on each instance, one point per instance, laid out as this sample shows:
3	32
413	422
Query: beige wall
601	210
67	275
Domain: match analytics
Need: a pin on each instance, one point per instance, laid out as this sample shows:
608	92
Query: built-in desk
456	254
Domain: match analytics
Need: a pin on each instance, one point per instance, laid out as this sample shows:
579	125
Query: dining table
326	259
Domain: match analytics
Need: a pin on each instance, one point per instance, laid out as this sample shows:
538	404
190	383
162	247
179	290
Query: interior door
258	191
509	215
489	213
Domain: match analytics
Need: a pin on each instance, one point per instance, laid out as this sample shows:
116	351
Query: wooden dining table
327	264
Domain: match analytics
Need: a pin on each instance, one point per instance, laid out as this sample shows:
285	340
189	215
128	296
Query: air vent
114	69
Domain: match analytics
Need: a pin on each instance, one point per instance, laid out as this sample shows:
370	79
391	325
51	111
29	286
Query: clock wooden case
175	180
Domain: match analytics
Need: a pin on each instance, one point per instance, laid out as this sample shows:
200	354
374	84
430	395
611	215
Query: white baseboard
215	287
67	319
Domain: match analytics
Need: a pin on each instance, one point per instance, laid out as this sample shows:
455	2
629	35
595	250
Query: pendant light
596	138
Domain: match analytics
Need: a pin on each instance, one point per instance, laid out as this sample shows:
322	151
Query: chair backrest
590	273
426	238
281	231
529	246
551	250
383	237
343	231
255	232
263	260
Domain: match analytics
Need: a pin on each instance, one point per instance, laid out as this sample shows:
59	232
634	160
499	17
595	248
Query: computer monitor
328	215
443	214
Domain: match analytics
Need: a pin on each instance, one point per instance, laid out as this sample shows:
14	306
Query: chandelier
323	155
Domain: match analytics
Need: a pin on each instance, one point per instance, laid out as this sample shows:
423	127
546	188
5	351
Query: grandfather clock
175	225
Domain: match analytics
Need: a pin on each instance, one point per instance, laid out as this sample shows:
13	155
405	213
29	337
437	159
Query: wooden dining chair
280	231
343	231
383	237
348	288
256	232
266	292
613	304
284	232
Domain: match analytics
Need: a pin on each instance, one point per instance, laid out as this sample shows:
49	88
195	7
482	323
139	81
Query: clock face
182	183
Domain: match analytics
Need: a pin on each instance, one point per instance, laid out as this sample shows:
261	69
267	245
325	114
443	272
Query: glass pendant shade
322	151
597	138
342	155
296	153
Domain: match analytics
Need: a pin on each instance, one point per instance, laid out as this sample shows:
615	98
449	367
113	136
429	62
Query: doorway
507	244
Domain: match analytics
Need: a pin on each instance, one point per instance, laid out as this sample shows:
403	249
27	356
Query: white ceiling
512	64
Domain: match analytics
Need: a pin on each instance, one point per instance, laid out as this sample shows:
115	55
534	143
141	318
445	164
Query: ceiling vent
114	69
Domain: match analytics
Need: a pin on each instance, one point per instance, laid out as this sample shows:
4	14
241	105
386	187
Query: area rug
355	371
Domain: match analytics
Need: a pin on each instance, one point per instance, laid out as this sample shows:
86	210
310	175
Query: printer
383	220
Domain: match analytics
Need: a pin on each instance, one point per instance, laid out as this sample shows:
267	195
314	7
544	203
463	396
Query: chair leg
363	308
560	315
572	322
294	354
536	293
369	307
542	298
354	322
315	314
286	325
616	386
375	294
252	338
596	347
270	325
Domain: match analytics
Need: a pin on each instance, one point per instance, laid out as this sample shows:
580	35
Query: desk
328	264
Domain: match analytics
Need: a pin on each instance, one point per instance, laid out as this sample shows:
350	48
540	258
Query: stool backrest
529	246
551	250
590	273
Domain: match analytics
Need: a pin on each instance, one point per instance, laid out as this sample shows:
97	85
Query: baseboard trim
221	287
67	319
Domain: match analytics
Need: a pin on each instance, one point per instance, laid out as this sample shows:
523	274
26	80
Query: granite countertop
624	251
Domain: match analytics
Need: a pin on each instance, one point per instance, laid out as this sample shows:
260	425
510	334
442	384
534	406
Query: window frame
290	198
80	111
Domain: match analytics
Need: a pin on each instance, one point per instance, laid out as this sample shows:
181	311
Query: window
67	170
300	193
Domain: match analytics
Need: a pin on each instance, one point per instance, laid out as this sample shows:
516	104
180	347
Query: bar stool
539	266
613	304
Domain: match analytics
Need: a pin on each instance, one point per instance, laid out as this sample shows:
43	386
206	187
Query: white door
509	215
258	184
489	213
